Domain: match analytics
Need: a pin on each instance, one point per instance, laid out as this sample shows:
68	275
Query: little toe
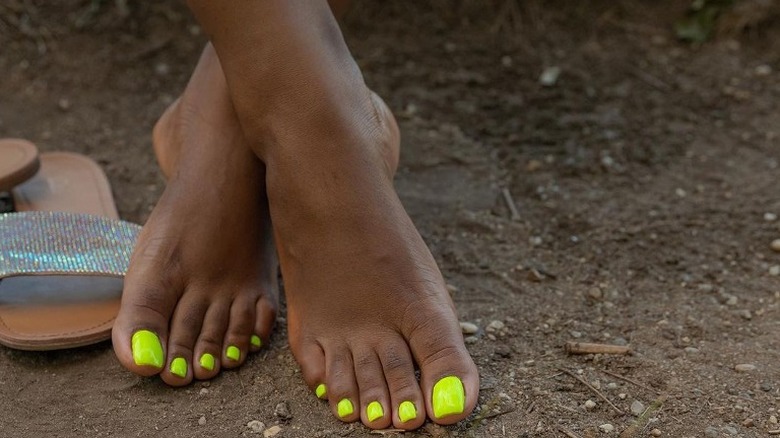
405	393
375	411
343	393
208	348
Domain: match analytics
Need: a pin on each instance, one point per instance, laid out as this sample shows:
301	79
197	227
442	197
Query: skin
366	301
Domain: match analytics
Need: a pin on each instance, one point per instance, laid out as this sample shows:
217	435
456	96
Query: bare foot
201	291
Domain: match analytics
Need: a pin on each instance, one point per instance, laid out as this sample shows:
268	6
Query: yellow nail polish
207	361
407	411
321	390
345	408
179	367
449	397
147	349
233	353
256	341
374	411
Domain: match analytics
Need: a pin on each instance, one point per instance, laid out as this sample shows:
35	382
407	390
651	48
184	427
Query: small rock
691	350
282	411
495	326
773	419
711	432
607	428
549	76
731	300
775	245
272	431
622	396
774	270
745	314
766	386
637	408
471	339
770	217
256	426
748	422
506	61
64	104
590	404
745	367
491	336
763	70
731	430
203	391
468	328
655	432
202	420
575	334
595	293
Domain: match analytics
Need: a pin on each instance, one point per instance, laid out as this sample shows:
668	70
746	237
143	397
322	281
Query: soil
644	179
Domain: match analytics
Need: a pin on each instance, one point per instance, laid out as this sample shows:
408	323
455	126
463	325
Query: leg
203	275
366	300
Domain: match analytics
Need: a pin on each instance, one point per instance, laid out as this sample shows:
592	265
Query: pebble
745	367
731	430
691	350
637	408
203	391
748	422
622	396
773	419
763	70
256	426
732	300
590	404
471	339
549	76
575	334
282	411
202	420
607	428
595	293
491	337
468	328
775	245
770	217
272	431
655	432
711	432
774	270
64	104
495	326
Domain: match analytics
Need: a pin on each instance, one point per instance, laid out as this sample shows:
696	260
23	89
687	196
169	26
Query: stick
774	432
624	378
596	391
510	202
640	422
567	432
586	348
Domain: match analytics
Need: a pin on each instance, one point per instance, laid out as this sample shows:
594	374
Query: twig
566	408
498	414
567	432
510	202
596	391
632	381
386	431
640	422
774	432
586	348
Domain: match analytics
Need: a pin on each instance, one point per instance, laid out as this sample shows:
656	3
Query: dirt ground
644	179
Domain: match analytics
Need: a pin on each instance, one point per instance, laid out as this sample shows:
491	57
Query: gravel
468	328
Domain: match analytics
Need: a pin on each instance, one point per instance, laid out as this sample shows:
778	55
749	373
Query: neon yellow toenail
233	353
207	361
374	411
256	341
449	397
147	349
179	367
345	408
321	390
407	411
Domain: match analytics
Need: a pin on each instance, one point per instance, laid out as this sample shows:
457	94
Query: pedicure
345	408
179	367
207	361
233	353
147	349
374	411
256	341
321	390
449	397
407	411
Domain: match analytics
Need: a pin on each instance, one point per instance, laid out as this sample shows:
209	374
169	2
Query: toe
265	315
208	348
375	411
343	392
405	395
449	377
186	325
141	329
312	361
240	330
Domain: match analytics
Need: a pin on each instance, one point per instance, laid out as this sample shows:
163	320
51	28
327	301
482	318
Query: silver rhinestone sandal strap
53	243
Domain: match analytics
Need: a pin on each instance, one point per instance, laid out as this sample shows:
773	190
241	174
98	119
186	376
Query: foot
366	301
200	293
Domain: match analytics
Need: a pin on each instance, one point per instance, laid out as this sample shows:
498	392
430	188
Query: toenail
374	411
449	397
321	390
179	367
207	361
345	408
147	349
407	411
256	341
233	353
